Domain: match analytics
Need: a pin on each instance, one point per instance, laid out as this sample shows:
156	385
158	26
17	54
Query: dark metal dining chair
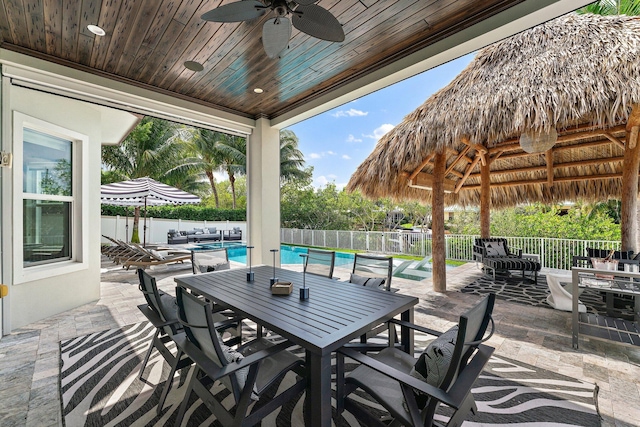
320	263
207	260
372	270
411	390
162	312
247	372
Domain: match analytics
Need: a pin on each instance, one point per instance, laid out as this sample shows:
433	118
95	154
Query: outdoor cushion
206	268
512	263
157	254
371	282
433	363
169	306
495	249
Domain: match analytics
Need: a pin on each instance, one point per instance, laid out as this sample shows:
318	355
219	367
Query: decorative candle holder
250	273
304	291
274	279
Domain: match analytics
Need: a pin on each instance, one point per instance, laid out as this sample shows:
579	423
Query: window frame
78	212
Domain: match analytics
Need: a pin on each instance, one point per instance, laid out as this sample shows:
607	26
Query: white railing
554	253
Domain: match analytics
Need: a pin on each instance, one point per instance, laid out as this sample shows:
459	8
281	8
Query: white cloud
331	153
350	113
346	157
380	131
352	138
332	176
321	181
315	156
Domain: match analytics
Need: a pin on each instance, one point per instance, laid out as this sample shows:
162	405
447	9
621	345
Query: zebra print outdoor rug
99	386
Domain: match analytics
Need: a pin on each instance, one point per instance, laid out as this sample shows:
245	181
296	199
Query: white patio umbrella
144	192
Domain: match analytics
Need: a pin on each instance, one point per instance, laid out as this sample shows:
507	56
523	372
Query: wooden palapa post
439	249
485	197
631	166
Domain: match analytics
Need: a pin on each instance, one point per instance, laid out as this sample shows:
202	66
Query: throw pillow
157	254
205	230
207	268
500	249
169	307
241	375
433	363
490	249
371	282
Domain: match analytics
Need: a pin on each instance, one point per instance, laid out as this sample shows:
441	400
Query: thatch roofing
579	74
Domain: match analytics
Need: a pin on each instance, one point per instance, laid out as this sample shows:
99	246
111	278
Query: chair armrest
400	376
154	318
416	327
515	251
228	322
480	250
214	371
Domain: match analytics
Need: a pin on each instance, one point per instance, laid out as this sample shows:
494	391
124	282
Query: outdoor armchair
246	372
411	390
496	256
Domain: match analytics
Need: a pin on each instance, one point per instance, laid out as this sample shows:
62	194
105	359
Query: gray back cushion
433	363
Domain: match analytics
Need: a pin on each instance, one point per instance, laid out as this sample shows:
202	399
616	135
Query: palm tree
232	152
206	157
613	7
151	149
291	158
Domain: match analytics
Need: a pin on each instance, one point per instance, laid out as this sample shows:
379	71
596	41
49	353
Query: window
47	198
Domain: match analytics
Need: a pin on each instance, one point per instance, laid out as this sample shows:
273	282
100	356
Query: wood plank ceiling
148	41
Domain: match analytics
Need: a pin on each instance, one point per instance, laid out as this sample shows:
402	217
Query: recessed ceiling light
258	90
96	30
193	66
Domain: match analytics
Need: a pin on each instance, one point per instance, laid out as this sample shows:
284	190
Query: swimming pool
288	254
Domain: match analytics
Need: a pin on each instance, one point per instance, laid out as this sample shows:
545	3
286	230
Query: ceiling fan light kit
306	16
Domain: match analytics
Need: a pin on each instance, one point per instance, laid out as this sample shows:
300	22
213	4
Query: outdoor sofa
197	235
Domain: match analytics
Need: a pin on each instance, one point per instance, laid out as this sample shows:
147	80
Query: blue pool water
288	254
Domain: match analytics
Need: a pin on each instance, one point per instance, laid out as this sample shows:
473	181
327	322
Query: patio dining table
335	314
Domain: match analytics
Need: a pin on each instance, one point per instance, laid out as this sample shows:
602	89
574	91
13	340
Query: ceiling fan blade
236	12
318	22
305	2
275	36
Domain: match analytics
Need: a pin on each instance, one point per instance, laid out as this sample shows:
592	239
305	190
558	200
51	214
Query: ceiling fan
306	16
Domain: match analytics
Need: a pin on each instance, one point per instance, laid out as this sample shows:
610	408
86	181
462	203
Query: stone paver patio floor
29	357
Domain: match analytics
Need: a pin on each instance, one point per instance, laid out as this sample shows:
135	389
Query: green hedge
185	212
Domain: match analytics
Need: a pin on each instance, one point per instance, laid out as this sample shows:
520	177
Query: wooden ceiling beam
422	165
467	173
577	163
613	139
457	159
544	180
425	181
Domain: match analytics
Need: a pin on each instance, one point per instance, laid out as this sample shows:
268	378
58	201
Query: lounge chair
496	257
151	258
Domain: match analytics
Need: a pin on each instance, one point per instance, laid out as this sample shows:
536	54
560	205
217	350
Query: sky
337	141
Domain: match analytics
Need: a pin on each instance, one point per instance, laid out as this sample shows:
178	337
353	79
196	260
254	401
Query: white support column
263	205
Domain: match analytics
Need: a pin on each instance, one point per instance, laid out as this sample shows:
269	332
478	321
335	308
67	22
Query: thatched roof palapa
579	74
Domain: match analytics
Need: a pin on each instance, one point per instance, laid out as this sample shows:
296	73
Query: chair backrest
320	262
160	304
195	316
480	243
204	261
472	328
377	266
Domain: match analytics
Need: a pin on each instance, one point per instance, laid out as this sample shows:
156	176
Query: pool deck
29	357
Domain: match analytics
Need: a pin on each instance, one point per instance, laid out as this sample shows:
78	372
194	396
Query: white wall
33	300
115	226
